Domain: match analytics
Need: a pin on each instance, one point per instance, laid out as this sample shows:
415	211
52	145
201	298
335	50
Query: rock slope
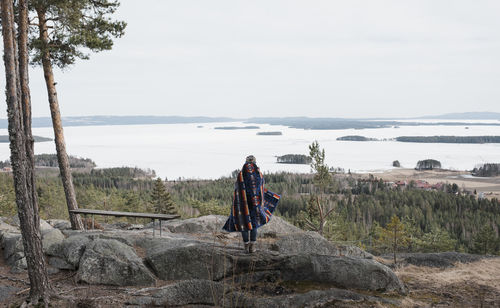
201	265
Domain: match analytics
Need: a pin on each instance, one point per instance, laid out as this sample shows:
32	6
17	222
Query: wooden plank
125	214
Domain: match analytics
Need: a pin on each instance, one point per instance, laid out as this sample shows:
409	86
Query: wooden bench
153	217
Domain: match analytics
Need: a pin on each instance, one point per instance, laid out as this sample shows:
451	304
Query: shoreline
490	186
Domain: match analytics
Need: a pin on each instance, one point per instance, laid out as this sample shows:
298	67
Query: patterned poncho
253	205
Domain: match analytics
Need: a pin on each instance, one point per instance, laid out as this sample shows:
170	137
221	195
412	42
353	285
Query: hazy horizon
461	115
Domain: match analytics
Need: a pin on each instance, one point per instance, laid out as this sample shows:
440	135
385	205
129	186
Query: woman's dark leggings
253	235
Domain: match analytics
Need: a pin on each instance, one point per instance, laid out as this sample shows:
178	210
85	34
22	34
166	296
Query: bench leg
160	226
153	227
93	222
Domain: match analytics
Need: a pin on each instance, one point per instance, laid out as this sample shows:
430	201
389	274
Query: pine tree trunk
395	246
62	156
21	147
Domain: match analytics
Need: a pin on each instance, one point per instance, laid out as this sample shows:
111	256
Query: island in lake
356	138
294	159
5	139
236	127
269	133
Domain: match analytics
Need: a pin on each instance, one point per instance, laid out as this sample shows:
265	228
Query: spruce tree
161	199
485	241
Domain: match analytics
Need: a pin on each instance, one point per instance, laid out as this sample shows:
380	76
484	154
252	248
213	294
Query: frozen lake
200	151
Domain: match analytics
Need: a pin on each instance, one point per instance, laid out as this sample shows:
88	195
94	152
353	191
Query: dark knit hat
251	159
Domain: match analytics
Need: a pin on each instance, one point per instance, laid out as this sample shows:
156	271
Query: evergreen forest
362	208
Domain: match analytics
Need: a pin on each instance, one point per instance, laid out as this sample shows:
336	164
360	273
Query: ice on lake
197	150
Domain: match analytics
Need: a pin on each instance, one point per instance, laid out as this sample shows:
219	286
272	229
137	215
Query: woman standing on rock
253	205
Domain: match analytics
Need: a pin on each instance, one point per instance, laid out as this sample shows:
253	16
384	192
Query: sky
277	58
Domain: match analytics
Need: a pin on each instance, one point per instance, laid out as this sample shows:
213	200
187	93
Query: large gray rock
12	243
13	249
121	236
60	224
316	298
212	262
70	250
220	294
203	224
5	227
214	223
14	220
51	237
113	263
153	245
187	292
344	272
60	263
314	243
19	266
277	226
190	261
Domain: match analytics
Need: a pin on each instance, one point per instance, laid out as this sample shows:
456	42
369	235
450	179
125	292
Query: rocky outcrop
278	226
200	261
187	292
214	223
188	262
69	250
5	227
210	293
114	263
60	224
344	272
204	224
312	242
50	238
14	220
12	246
13	249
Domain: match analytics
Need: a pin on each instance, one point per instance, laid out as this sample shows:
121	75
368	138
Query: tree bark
395	246
62	156
20	146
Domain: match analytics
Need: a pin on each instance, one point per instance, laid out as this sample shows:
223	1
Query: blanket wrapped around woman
253	206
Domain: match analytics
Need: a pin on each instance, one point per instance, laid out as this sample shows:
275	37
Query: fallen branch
23	291
14	279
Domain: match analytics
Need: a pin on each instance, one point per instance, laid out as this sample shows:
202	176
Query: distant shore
490	186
